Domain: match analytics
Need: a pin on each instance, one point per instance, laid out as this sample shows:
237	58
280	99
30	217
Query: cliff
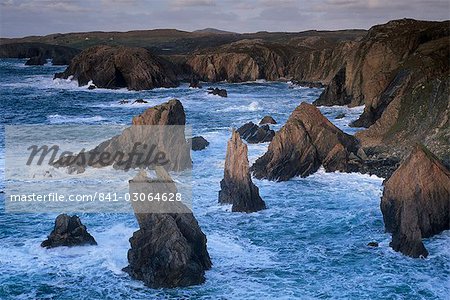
120	67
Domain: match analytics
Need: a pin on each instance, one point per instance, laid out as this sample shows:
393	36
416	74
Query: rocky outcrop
218	92
236	187
335	93
59	55
416	202
120	67
161	143
254	134
307	141
199	143
267	120
68	231
169	249
38	60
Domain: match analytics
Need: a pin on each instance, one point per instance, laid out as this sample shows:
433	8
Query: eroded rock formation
163	142
120	67
267	120
37	60
59	55
218	92
307	141
254	134
68	231
416	202
169	249
236	186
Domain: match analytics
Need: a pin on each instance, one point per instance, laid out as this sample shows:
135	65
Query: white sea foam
62	119
253	106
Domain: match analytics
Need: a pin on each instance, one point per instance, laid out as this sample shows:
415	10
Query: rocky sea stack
236	186
199	143
169	249
416	202
307	141
68	231
120	67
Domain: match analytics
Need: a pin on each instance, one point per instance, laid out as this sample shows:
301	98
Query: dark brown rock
38	60
254	134
60	55
307	141
267	120
140	101
236	186
68	231
199	143
195	84
121	67
335	93
416	202
218	92
169	249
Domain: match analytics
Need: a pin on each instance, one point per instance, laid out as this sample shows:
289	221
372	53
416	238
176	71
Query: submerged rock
307	141
218	92
254	134
340	116
195	84
120	67
169	249
199	143
416	202
236	186
267	120
372	244
140	101
38	60
68	231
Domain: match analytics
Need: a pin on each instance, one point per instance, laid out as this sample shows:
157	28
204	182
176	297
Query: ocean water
310	243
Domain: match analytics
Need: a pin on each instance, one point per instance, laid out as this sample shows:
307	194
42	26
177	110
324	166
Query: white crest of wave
60	119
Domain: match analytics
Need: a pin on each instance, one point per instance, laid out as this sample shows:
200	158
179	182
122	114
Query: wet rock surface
236	187
254	134
68	231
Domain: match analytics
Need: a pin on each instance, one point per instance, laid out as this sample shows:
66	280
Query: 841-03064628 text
97	196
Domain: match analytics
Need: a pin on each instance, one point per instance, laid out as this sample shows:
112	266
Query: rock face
120	67
199	143
161	136
38	60
254	134
307	141
416	202
59	55
335	93
267	120
68	231
236	186
169	249
218	92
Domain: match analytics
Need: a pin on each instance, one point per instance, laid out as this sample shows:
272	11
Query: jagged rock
236	186
140	101
335	93
38	60
340	116
169	249
254	134
267	120
307	141
158	144
199	143
124	102
416	202
92	87
372	244
218	92
68	231
119	67
195	84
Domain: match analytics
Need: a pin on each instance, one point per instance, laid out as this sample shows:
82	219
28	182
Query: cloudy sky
39	17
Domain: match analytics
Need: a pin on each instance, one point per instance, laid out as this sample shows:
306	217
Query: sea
310	242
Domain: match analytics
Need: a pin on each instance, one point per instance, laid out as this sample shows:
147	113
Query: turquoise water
309	243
